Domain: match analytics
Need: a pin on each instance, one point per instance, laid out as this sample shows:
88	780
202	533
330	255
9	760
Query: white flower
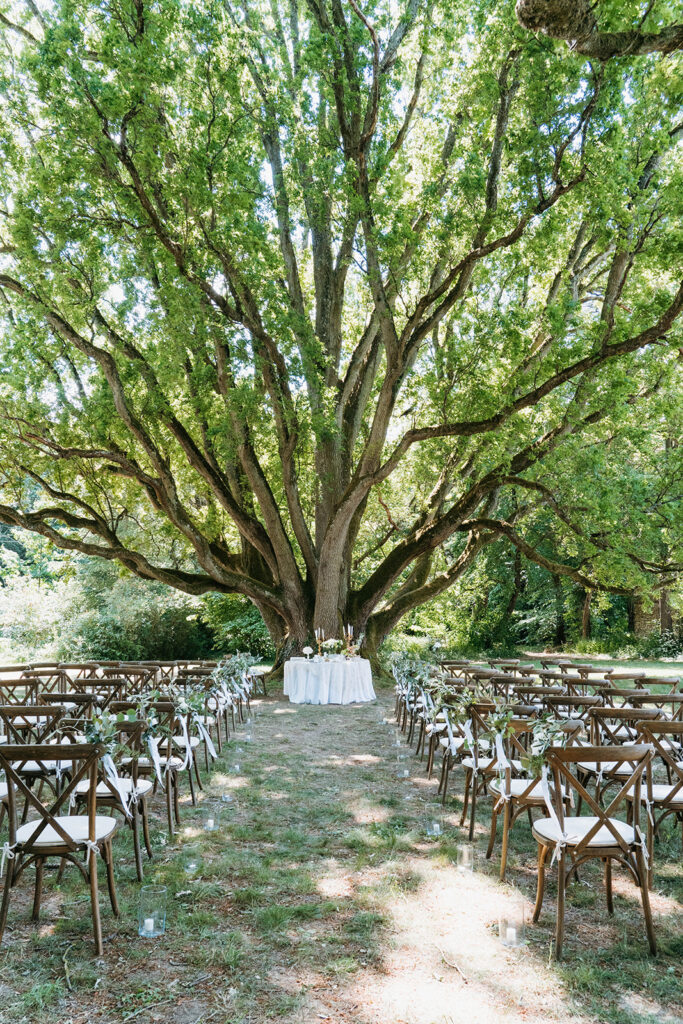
308	650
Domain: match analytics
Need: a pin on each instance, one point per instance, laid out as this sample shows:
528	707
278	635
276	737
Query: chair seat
144	786
3	792
608	768
484	764
75	825
40	767
518	786
454	745
575	829
660	794
146	762
181	742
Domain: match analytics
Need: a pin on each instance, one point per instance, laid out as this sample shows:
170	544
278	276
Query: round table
328	681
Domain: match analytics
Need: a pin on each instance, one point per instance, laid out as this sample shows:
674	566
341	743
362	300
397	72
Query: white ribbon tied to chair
502	764
472	746
561	843
7	854
117	782
204	735
153	746
186	739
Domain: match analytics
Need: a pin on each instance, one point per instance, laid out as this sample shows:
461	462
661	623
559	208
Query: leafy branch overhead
314	301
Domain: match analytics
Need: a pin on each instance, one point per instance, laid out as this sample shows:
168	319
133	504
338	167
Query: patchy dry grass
322	898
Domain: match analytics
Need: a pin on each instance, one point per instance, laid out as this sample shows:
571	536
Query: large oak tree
308	300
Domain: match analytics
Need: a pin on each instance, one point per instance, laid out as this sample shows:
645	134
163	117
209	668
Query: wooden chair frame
630	855
84	759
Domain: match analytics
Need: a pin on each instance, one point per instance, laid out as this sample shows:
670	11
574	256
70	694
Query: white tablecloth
328	682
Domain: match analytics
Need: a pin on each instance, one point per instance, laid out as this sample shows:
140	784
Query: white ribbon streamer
562	841
204	734
117	783
153	745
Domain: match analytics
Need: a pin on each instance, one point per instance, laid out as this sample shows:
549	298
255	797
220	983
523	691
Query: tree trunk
560	628
586	617
631	612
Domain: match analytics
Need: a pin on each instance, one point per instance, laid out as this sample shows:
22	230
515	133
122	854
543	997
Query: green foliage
237	626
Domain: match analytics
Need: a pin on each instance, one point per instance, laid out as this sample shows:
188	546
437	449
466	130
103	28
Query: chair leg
108	855
169	807
507	818
196	772
645	898
608	885
176	799
145	827
492	837
5	896
561	886
35	915
473	806
135	825
540	883
95	903
466	798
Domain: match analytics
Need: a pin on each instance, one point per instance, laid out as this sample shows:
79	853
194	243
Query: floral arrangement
308	651
103	729
546	732
333	645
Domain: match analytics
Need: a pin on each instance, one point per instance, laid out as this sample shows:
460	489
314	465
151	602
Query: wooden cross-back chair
517	795
105	690
610	727
78	706
663	798
599	836
480	769
50	680
78	669
670	703
577	708
170	763
18	691
54	834
616	697
34	724
128	794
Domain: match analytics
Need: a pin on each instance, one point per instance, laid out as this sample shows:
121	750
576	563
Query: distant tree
299	295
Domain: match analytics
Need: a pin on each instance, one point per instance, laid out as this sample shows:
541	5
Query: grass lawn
321	898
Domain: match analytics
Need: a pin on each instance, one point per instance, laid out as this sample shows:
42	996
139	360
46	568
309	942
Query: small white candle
511	935
209	823
148	926
436	828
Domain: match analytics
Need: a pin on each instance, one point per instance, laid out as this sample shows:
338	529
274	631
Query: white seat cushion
146	762
660	793
38	767
484	763
144	787
518	786
75	825
3	792
608	768
576	828
180	741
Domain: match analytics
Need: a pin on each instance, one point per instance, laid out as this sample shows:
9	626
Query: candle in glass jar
148	926
511	936
209	823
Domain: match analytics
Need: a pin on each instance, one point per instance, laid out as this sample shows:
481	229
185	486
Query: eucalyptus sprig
546	732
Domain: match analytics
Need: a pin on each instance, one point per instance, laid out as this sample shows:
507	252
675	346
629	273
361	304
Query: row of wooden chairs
633	744
51	771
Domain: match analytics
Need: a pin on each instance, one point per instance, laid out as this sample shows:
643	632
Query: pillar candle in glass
152	911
